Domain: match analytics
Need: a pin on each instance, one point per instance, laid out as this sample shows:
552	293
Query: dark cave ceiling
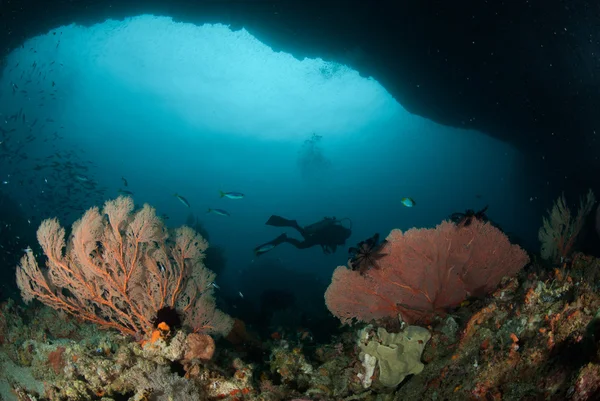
527	72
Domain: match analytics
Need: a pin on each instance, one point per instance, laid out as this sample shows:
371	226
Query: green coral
398	354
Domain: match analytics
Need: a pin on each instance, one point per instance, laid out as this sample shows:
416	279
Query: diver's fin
277	221
267	246
280	240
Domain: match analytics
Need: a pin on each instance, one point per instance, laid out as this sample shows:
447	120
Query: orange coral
477	319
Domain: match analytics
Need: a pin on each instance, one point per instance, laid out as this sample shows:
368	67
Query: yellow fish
408	202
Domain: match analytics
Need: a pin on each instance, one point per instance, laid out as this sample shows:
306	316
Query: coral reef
529	334
105	364
535	337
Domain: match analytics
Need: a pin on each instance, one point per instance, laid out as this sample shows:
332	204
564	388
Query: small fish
125	191
28	249
263	249
124	181
81	178
231	195
182	199
220	212
241	295
408	202
215	285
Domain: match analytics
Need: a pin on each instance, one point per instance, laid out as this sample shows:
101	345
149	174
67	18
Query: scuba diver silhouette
329	233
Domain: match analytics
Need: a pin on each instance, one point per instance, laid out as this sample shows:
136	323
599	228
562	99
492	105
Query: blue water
175	108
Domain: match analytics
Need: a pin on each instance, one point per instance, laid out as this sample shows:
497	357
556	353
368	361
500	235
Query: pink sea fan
425	272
